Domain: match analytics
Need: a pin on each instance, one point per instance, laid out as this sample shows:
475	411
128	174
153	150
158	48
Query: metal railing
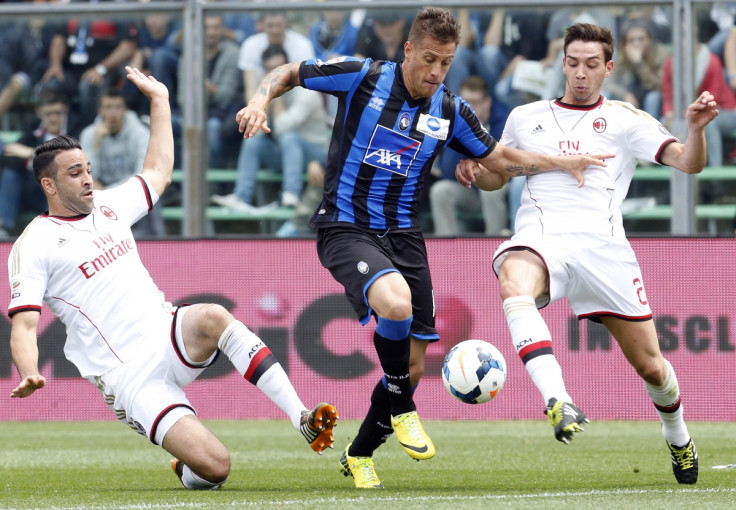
192	12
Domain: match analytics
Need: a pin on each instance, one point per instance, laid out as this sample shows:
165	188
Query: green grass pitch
510	464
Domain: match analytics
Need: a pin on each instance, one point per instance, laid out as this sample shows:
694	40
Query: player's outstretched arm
158	165
469	172
510	162
276	83
24	351
690	157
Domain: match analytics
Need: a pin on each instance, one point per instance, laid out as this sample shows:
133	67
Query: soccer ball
474	371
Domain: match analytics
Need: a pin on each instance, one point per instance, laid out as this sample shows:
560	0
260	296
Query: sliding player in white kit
570	240
80	259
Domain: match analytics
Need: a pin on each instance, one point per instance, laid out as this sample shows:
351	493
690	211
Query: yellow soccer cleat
361	469
411	436
684	462
566	418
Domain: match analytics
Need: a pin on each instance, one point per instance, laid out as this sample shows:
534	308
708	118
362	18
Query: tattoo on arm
517	170
280	80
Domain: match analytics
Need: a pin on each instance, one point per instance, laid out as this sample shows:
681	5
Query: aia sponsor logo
391	151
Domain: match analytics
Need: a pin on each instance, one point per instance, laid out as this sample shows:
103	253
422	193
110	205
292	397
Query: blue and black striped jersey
384	142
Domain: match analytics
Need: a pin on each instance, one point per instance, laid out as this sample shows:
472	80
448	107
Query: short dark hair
587	32
475	83
272	50
45	154
113	92
50	96
436	23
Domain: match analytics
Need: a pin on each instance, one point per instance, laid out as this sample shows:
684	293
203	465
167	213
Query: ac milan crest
599	125
108	213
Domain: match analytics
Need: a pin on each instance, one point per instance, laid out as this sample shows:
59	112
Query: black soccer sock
391	340
376	426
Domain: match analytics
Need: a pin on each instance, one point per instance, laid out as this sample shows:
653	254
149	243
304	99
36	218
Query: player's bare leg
207	328
201	461
639	343
522	278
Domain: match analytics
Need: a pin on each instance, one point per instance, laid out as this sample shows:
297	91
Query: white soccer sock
666	399
255	362
191	480
276	385
533	343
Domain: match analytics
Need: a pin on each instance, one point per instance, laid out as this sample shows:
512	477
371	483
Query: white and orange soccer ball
474	371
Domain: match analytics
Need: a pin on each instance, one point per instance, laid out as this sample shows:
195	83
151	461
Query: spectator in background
709	77
308	203
382	35
469	54
513	36
447	196
334	35
273	29
299	134
723	16
550	67
729	58
24	57
157	53
239	25
660	18
19	190
224	89
86	57
115	145
637	75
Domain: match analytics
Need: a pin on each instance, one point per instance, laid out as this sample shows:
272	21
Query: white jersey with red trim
552	203
88	272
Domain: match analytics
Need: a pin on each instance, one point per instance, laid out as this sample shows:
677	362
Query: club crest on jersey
376	103
391	151
599	125
433	126
109	213
404	121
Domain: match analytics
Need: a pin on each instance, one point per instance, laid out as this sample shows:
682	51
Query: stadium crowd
515	51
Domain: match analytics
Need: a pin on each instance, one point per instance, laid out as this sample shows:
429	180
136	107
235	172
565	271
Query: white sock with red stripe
191	480
666	399
255	362
533	343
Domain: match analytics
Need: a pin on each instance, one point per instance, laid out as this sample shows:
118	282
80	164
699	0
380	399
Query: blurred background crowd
64	74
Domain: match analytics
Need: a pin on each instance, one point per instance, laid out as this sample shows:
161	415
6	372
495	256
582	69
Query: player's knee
510	288
416	372
215	318
216	467
651	370
397	308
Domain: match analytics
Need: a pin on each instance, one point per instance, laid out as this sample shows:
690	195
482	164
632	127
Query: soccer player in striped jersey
81	259
570	240
392	120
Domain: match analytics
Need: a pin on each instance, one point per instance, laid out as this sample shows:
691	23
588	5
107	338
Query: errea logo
376	103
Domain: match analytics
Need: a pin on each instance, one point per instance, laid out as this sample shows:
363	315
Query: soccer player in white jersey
80	259
570	240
